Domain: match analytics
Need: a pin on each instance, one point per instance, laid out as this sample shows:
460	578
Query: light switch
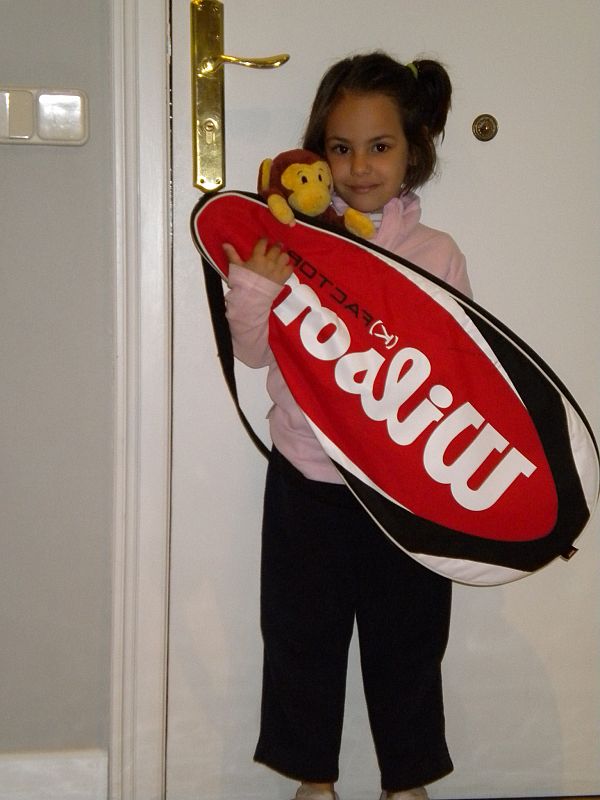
61	117
16	114
43	116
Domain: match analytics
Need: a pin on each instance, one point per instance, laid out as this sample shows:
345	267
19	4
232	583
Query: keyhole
210	127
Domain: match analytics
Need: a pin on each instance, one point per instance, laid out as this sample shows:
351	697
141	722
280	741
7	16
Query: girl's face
366	149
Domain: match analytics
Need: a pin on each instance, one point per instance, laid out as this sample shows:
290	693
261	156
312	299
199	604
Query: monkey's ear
264	176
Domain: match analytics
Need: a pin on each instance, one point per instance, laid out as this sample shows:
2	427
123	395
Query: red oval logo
399	385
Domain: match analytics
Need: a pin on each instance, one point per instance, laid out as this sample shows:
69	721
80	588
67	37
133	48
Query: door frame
142	400
142	463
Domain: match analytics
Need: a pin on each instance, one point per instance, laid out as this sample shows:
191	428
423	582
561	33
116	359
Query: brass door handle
208	112
211	64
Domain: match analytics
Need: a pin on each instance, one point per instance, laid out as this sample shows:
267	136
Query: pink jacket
249	301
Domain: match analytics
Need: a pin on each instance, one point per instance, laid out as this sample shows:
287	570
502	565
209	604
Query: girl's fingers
278	254
261	247
269	260
232	255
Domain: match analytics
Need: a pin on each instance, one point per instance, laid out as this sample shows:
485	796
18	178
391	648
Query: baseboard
64	775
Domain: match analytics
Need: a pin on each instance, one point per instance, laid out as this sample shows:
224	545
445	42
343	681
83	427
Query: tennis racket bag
461	443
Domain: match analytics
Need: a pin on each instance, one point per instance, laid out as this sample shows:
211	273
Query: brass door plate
208	100
485	127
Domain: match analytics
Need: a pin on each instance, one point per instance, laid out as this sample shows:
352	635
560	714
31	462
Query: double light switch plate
43	116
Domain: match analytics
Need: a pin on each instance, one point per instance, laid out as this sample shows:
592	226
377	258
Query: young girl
325	563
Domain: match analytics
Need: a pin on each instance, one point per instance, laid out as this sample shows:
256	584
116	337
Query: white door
521	674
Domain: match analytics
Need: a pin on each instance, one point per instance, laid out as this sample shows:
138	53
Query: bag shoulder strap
216	304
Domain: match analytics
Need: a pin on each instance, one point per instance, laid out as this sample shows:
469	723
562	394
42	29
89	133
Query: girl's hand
270	261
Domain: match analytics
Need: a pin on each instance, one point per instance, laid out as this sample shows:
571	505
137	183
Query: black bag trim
216	305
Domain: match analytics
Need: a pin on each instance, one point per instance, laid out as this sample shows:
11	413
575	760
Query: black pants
324	564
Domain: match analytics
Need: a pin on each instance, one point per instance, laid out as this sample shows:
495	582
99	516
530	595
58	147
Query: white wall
56	394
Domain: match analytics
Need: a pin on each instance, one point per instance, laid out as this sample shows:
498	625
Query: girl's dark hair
421	90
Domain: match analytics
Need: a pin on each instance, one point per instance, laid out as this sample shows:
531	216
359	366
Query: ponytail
435	92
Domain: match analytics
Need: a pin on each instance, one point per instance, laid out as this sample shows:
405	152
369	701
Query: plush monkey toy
299	180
